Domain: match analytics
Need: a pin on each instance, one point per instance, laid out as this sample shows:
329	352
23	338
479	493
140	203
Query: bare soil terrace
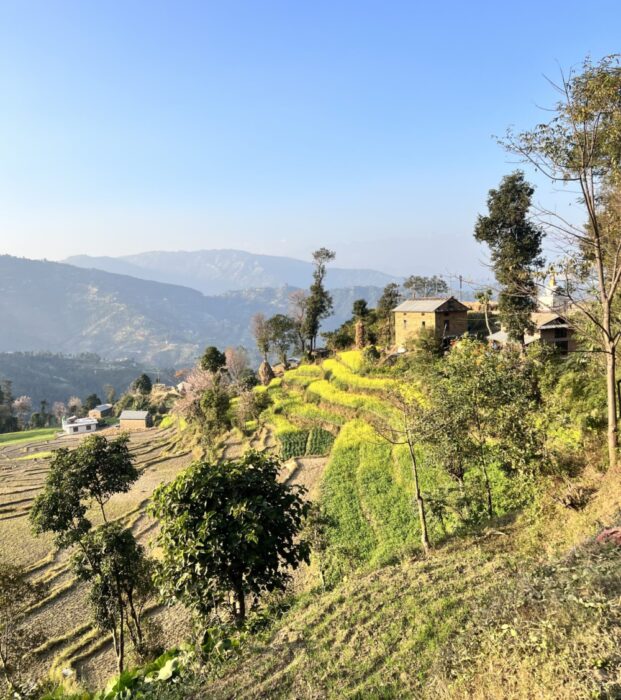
63	617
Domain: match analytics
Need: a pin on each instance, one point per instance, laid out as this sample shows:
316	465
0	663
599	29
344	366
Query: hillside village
319	482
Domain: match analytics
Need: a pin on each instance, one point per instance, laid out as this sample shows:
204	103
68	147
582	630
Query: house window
560	332
75	429
422	324
563	347
405	323
446	326
88	427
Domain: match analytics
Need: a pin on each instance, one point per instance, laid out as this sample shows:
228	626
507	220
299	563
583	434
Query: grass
353	359
346	379
36	435
36	455
324	390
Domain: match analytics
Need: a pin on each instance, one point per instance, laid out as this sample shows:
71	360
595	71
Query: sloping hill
62	308
217	271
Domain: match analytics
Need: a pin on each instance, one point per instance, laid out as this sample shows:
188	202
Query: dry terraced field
63	617
71	641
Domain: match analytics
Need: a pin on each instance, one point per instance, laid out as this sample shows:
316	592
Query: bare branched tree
581	146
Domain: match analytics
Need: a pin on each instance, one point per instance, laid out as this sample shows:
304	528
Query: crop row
345	379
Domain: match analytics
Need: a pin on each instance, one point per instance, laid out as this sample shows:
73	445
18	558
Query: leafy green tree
495	398
17	638
143	384
228	528
114	564
93	472
91	401
515	247
421	286
213	360
360	309
282	336
319	302
214	407
391	297
580	144
108	557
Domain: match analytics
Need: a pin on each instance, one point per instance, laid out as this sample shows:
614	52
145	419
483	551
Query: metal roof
428	304
102	407
134	415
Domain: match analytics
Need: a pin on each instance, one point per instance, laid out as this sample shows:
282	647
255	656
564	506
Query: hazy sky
272	126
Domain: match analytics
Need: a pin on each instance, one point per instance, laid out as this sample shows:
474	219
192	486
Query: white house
74	425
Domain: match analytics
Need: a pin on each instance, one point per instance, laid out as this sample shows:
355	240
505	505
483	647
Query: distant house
550	328
446	317
135	420
551	322
74	425
101	411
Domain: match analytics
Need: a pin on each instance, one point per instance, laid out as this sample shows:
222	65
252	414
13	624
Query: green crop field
28	436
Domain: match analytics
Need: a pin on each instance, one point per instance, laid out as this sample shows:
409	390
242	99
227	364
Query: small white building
74	425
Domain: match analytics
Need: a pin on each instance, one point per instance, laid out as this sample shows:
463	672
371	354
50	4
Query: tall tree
228	529
281	330
212	360
114	564
143	384
319	303
298	300
421	286
261	333
91	473
108	557
391	297
515	246
580	145
91	401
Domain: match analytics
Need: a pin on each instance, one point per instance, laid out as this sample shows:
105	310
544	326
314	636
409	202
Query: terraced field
63	616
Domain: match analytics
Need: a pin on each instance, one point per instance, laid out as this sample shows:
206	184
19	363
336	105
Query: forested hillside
61	308
54	377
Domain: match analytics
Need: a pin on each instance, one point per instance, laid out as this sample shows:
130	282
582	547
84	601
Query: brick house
446	317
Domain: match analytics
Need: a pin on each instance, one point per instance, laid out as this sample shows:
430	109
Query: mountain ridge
215	271
57	307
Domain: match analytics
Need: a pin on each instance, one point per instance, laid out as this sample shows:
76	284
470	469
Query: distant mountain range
218	271
56	307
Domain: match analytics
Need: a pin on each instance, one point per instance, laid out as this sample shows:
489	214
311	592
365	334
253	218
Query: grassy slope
28	436
497	614
486	616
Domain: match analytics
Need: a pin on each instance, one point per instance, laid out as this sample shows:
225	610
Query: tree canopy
228	528
515	247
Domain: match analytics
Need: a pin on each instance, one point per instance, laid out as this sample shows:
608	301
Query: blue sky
272	126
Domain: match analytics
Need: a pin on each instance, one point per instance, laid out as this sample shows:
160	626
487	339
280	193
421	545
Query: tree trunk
137	626
424	535
240	605
486	311
611	391
120	659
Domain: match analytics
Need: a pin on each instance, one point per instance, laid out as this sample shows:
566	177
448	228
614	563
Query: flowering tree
22	407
